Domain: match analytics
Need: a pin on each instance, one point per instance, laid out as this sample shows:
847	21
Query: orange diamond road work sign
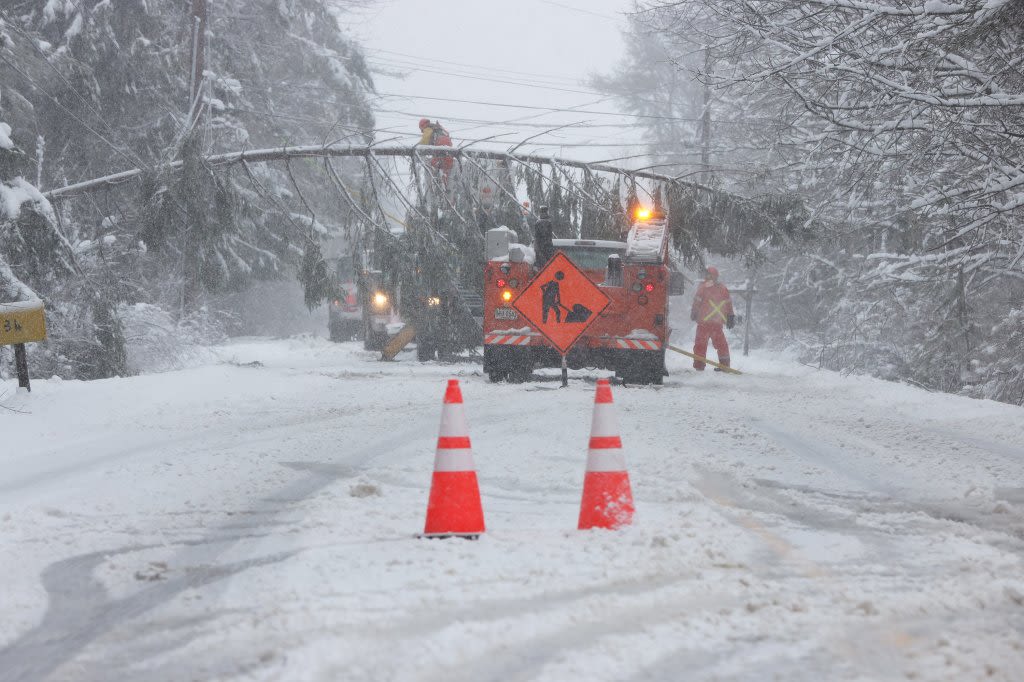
561	302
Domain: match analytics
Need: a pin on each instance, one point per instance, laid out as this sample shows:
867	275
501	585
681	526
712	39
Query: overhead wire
544	76
459	67
580	10
682	119
505	82
480	122
585	91
502	81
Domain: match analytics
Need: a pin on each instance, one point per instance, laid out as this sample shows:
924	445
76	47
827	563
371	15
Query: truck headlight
380	299
433	301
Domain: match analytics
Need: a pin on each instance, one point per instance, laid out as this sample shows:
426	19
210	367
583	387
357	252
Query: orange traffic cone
607	498
454	507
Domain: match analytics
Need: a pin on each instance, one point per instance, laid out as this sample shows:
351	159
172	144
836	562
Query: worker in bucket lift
434	134
712	308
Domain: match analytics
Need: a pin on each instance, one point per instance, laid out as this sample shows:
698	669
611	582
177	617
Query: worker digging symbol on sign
551	298
712	307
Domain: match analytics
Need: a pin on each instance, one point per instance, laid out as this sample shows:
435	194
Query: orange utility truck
629	335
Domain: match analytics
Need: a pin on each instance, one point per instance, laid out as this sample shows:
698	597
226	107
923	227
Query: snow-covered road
253	519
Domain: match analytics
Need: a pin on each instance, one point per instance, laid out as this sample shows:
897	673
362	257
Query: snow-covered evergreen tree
103	86
897	124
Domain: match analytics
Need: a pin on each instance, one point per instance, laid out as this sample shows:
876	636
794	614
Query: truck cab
629	336
344	314
377	301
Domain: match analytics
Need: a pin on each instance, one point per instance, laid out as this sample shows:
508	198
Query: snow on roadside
253	519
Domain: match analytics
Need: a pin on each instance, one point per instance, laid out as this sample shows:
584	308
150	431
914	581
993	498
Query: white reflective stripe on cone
605	421
611	459
453	421
454	460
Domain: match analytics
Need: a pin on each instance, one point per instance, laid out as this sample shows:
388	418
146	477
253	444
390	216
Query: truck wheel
495	364
343	330
424	350
520	366
375	340
641	367
657	368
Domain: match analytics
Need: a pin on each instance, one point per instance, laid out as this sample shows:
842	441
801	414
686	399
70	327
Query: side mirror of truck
676	283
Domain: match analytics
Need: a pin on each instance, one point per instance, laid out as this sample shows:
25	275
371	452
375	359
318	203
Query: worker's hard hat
713	272
424	122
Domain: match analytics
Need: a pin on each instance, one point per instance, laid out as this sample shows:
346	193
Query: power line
500	80
510	82
555	109
401	131
546	76
518	124
573	109
581	11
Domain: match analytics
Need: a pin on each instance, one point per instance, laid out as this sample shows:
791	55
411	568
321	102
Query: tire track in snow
71	624
513	658
822	454
80	613
211	439
895	637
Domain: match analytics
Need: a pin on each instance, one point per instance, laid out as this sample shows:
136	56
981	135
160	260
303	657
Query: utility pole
705	122
198	65
192	154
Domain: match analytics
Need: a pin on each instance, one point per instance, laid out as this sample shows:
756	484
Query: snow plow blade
398	342
724	368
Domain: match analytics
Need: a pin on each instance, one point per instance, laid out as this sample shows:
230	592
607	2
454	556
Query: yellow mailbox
22	322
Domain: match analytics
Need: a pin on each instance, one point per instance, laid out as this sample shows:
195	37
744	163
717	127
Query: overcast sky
525	53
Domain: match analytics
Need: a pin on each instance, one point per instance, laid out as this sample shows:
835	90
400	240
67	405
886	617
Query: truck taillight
648	287
500	283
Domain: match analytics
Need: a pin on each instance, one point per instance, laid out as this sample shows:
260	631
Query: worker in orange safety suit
434	134
712	307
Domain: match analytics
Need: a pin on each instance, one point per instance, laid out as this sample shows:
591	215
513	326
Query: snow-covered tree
898	123
103	86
